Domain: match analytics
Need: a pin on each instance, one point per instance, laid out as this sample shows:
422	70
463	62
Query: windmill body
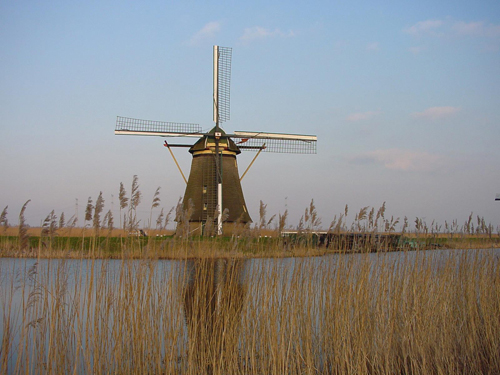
202	186
213	193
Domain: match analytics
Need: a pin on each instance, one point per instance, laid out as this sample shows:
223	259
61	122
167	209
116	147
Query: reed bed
394	313
369	231
100	234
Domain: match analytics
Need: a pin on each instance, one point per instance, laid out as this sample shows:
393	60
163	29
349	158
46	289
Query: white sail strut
263	135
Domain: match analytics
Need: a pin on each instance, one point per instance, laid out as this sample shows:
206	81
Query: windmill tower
214	183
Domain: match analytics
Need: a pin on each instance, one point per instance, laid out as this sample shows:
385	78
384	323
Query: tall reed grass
406	313
367	221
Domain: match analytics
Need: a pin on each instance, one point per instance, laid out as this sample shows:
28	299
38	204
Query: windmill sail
222	83
276	142
133	126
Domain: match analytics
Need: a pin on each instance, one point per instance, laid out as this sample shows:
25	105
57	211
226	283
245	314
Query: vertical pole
216	87
219	203
218	155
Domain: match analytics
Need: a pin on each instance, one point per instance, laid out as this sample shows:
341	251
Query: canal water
173	296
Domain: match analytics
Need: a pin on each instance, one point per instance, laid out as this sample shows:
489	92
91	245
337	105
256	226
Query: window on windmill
205	187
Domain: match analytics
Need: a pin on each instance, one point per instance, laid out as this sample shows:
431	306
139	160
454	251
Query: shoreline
174	248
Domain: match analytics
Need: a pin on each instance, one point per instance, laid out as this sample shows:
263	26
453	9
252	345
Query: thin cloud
400	160
257	32
373	46
361	116
479	29
455	28
424	27
436	113
417	49
207	32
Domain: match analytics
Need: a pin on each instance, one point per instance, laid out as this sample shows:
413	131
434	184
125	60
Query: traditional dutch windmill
214	185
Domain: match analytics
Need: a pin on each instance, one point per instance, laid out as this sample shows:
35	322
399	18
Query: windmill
214	186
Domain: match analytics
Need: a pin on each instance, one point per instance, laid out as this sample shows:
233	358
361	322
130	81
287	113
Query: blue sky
404	98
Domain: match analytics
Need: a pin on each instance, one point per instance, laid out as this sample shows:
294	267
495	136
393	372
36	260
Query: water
173	296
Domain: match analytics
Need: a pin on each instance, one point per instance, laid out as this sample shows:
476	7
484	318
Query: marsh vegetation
418	312
101	235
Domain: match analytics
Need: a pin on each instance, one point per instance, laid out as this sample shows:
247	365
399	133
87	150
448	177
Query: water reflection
213	300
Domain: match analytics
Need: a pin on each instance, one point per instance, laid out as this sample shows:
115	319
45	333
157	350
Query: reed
4	222
419	313
370	230
22	229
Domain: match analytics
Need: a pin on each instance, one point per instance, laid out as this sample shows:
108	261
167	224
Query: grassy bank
370	230
174	247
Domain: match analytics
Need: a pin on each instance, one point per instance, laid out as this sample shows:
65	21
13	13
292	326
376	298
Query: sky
403	96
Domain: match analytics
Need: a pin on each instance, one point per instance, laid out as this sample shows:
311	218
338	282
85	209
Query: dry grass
81	232
414	313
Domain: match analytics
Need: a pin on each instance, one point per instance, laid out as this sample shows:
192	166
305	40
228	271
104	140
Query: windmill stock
214	186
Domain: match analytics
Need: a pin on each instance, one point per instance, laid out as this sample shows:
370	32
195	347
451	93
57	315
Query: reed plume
22	229
262	215
49	226
155	203
135	200
4	222
62	220
159	219
182	217
282	221
88	210
99	206
168	217
122	197
108	221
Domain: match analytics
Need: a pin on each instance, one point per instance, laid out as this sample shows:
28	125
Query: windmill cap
207	142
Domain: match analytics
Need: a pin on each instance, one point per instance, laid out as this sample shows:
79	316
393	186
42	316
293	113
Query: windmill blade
133	126
222	83
275	142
